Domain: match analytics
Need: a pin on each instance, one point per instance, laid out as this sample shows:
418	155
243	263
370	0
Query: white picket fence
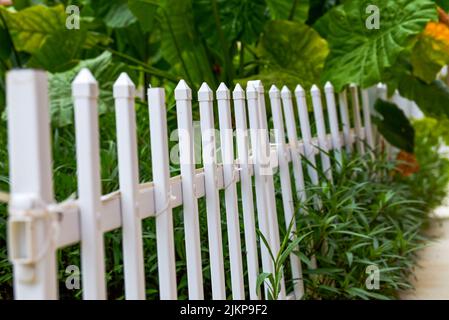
38	226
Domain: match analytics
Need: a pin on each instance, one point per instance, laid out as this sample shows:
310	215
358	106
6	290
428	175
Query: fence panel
87	218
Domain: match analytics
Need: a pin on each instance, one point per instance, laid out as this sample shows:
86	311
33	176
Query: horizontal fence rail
239	159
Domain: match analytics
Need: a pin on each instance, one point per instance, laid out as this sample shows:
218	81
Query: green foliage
428	57
431	98
104	70
295	10
362	56
290	62
394	125
368	217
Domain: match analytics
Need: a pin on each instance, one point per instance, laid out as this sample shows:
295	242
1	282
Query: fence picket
367	120
357	119
85	94
309	152
292	136
162	194
268	181
229	177
246	190
333	122
287	197
205	98
321	131
183	97
124	91
262	210
346	123
31	183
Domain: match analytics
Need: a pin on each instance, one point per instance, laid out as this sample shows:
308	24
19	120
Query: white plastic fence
38	226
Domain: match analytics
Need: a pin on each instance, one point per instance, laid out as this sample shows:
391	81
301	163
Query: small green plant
288	246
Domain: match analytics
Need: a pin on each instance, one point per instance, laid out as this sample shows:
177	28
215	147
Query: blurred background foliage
285	42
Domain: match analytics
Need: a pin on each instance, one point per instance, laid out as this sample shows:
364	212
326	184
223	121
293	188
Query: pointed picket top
251	91
258	85
124	87
381	85
274	92
205	93
285	92
238	93
315	91
299	90
223	92
84	85
183	91
328	87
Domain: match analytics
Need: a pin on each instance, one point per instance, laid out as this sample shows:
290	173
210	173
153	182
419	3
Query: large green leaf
239	19
59	52
114	13
181	45
394	125
104	70
30	27
295	10
432	99
5	43
145	12
444	4
361	55
294	54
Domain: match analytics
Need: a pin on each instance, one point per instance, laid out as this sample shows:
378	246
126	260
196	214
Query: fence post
31	228
286	187
246	190
162	194
183	97
124	91
229	179
205	98
85	94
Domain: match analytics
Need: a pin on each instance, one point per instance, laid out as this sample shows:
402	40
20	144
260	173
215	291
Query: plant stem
142	66
241	58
